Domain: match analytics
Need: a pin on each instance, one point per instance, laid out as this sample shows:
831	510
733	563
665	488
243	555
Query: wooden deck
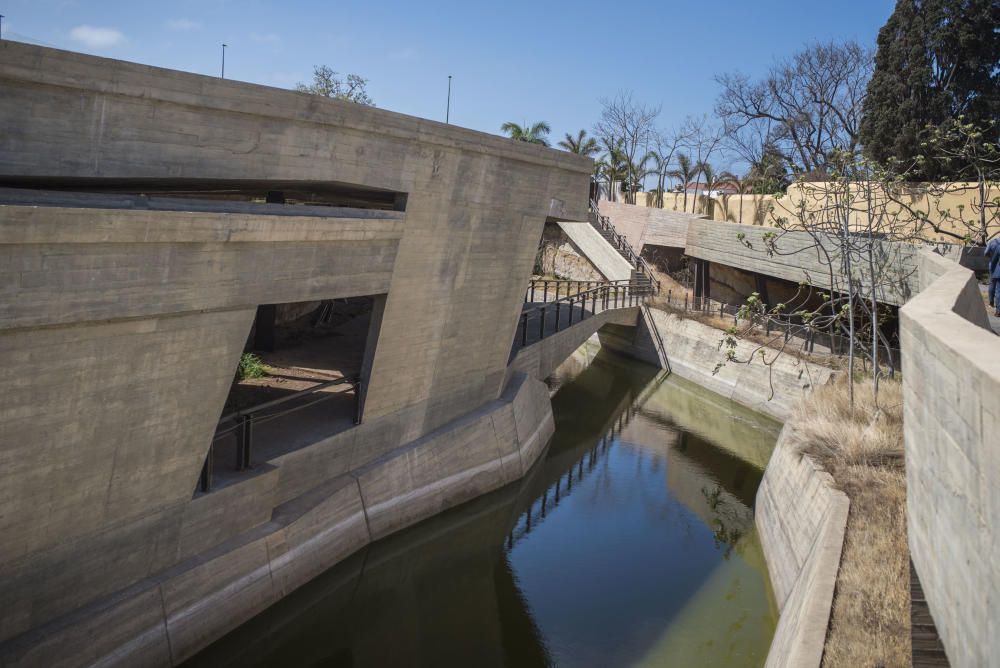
927	648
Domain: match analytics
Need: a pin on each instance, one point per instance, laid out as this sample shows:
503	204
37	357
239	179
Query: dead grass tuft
863	451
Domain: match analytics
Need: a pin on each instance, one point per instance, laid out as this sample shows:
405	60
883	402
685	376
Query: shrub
251	366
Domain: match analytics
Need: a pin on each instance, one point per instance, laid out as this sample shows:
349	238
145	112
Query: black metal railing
791	327
574	302
242	423
621	244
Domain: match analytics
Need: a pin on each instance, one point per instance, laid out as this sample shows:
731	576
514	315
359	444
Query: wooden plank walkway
927	649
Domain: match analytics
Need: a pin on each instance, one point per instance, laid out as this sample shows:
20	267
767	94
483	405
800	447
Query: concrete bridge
155	226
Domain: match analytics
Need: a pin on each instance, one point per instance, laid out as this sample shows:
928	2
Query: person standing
993	254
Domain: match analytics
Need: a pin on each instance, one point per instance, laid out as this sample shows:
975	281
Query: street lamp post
447	113
223	61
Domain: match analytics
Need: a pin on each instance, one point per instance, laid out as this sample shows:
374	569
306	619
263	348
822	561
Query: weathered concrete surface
540	359
801	519
559	257
641	225
951	426
122	320
694	350
596	248
166	618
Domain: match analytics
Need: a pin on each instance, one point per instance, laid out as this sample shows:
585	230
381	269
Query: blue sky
517	60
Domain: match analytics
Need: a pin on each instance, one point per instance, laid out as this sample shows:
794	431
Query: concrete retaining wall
951	425
596	248
167	617
801	518
641	225
693	350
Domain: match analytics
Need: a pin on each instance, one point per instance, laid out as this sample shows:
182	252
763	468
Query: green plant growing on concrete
327	83
251	366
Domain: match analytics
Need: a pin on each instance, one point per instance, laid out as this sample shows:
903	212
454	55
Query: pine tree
936	60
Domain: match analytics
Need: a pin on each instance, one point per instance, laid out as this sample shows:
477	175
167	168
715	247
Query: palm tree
712	181
534	134
660	164
612	167
743	187
636	172
581	144
685	172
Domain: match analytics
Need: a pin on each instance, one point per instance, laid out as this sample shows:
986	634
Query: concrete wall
694	350
120	329
596	248
559	257
641	225
801	519
951	423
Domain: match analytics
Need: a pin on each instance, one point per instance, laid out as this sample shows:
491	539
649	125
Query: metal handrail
245	418
623	246
610	294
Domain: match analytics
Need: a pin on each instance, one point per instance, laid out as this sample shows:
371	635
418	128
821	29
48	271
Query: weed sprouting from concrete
251	366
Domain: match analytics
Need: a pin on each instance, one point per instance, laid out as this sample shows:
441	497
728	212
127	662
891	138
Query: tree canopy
937	60
327	83
531	134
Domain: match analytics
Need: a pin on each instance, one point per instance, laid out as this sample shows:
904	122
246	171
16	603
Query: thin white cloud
265	38
404	54
95	37
185	25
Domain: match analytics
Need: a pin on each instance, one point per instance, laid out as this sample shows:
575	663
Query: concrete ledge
168	617
693	350
801	519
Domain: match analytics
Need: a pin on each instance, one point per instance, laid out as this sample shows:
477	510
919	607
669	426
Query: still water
630	544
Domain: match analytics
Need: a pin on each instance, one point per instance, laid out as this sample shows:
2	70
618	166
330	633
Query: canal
631	543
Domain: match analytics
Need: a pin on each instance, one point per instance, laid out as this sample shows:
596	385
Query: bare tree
703	138
666	145
806	107
630	127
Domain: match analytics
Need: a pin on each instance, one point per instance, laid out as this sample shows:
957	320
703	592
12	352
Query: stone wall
951	424
559	257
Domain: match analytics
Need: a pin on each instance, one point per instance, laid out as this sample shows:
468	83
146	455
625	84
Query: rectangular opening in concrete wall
274	192
301	379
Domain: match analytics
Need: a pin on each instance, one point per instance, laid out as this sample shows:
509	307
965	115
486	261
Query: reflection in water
631	543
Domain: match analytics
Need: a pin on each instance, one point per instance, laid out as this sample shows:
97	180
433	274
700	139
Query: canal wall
694	349
801	518
951	428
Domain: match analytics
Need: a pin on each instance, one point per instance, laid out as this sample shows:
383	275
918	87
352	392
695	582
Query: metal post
558	304
524	328
447	113
223	61
593	308
357	400
572	301
541	323
243	450
532	291
206	469
545	291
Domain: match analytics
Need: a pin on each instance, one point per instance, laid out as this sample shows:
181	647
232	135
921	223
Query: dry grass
863	451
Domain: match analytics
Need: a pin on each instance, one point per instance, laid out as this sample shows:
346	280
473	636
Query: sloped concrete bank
799	514
165	618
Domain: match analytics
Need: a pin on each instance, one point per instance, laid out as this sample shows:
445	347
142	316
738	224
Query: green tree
936	60
531	134
769	174
685	171
581	144
327	83
711	182
612	168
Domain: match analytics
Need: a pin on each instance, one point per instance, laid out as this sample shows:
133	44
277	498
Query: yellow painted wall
766	209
